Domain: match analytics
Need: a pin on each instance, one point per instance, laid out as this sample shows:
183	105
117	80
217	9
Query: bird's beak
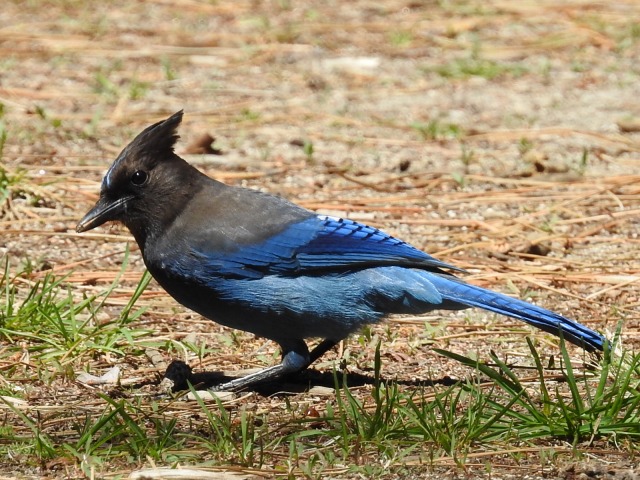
103	211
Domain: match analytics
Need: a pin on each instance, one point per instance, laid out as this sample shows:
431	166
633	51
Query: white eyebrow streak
106	181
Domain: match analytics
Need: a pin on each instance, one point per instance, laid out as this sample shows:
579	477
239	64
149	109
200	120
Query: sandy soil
501	137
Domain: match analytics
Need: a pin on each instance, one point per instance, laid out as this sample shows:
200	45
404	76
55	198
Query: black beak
103	211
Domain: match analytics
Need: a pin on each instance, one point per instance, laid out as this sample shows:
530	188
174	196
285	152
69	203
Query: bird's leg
323	347
295	358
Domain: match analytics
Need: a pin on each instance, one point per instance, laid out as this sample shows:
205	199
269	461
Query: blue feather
454	289
326	256
318	243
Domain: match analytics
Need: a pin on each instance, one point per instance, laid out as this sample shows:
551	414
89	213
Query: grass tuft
59	327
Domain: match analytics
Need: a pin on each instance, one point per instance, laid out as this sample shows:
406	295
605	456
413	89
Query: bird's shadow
181	376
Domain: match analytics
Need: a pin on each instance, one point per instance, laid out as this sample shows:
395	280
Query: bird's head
145	182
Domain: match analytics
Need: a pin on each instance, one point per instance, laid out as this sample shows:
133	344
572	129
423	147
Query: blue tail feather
455	290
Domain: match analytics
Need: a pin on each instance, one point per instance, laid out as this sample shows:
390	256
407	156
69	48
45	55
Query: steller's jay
259	263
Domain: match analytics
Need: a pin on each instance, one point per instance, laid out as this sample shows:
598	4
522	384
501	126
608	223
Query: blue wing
318	244
334	247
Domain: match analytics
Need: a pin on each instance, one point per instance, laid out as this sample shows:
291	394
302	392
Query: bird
259	263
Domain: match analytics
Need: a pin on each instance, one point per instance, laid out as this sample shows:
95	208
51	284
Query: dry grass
485	133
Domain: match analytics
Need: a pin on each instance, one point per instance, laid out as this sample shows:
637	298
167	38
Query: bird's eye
139	177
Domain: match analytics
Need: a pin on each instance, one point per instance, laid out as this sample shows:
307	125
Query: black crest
154	144
158	138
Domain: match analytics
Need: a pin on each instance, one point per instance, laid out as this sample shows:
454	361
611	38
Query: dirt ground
502	137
